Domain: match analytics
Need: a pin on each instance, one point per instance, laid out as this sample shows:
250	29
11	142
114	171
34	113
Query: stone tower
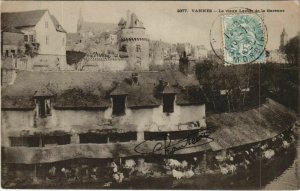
283	39
134	42
79	22
157	53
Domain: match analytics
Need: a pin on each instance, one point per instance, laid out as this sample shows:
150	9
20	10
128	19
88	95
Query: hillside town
96	106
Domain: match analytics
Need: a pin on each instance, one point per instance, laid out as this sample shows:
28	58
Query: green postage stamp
243	38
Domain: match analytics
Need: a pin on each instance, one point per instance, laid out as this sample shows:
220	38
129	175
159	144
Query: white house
40	29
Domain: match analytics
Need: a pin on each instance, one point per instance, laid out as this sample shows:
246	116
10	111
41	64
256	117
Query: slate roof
21	19
135	22
11	30
26	19
122	21
255	125
92	90
43	92
58	26
17	103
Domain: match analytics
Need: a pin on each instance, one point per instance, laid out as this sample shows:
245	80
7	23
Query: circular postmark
240	38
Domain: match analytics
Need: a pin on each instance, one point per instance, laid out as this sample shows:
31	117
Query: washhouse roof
93	90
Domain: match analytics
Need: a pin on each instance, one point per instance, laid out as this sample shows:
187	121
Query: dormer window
118	96
44	107
168	103
118	105
168	99
43	101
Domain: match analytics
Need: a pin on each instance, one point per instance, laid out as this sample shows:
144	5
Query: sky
161	19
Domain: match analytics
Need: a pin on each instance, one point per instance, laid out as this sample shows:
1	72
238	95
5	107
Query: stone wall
50	63
101	64
140	120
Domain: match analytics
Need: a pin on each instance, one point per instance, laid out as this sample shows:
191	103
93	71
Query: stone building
43	34
75	114
133	42
12	42
199	52
283	40
184	47
157	53
279	55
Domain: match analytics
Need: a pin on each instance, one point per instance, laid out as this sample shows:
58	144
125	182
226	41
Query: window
24	141
118	105
63	41
13	52
44	107
46	24
123	48
30	38
138	48
46	39
56	140
26	38
93	138
168	103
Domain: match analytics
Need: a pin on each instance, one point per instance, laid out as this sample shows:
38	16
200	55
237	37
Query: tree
292	50
32	49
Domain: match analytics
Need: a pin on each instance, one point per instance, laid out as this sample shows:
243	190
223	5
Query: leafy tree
32	49
292	50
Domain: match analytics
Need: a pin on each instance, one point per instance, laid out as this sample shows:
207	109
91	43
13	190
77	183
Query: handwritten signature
171	146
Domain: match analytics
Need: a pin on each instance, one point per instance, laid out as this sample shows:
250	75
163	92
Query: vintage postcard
150	95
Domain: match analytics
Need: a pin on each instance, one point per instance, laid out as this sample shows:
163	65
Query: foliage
32	49
292	50
277	81
73	57
226	87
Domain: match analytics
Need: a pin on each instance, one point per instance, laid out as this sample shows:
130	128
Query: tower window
26	38
44	107
123	48
138	48
118	105
46	24
47	39
31	38
63	41
168	103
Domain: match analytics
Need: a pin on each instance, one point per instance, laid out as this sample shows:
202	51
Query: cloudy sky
161	18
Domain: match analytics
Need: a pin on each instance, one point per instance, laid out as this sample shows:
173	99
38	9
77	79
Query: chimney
184	63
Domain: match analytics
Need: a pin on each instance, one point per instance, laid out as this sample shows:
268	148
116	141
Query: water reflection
290	178
257	177
280	172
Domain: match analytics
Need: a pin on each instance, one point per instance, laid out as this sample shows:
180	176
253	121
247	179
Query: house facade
96	110
43	34
12	42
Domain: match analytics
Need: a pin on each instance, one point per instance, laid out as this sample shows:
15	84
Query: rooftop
26	19
84	90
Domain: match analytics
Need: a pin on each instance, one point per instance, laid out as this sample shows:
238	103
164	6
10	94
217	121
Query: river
290	178
281	173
